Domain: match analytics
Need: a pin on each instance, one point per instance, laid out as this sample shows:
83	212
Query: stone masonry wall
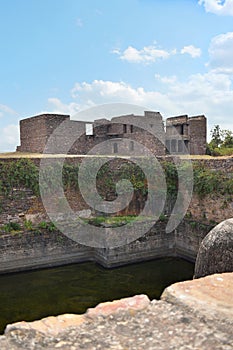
116	136
30	250
72	137
147	130
34	132
23	206
197	133
191	130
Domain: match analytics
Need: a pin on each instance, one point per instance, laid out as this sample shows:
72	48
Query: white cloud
218	7
98	12
79	22
221	53
166	79
58	107
6	110
9	138
210	94
148	54
100	92
191	50
9	132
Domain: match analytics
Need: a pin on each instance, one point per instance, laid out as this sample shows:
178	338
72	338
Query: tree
221	142
227	138
216	139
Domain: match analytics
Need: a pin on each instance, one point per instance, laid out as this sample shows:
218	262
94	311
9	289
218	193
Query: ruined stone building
191	131
121	135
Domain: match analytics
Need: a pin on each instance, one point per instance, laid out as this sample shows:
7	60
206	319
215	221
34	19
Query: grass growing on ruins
48	226
116	221
27	225
11	227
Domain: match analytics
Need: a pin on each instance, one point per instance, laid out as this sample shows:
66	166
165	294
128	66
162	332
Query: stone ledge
195	315
54	325
211	296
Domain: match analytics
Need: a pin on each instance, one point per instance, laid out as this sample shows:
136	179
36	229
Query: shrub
47	226
11	226
19	174
28	225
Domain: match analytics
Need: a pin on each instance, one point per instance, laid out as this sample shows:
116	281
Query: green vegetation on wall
18	174
24	174
207	181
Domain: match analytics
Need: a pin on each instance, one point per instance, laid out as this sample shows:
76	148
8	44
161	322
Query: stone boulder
215	253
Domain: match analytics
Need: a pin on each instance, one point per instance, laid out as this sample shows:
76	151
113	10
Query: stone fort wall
121	135
29	250
25	250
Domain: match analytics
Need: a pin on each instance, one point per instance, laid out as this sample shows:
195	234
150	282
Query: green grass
116	221
11	227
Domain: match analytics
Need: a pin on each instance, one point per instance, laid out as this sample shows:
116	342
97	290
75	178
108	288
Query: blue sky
172	56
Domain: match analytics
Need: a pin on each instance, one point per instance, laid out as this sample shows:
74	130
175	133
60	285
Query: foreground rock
215	253
190	315
210	297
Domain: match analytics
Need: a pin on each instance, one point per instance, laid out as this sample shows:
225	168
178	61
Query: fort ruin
125	134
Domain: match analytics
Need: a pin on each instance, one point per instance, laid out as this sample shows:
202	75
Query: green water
74	288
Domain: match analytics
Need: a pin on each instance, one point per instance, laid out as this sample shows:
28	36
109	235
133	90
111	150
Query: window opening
89	129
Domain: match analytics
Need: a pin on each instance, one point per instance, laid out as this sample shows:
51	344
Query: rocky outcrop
193	315
215	254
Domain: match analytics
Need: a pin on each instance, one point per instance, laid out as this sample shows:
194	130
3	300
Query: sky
64	56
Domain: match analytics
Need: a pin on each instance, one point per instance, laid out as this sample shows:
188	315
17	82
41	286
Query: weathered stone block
133	304
215	254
